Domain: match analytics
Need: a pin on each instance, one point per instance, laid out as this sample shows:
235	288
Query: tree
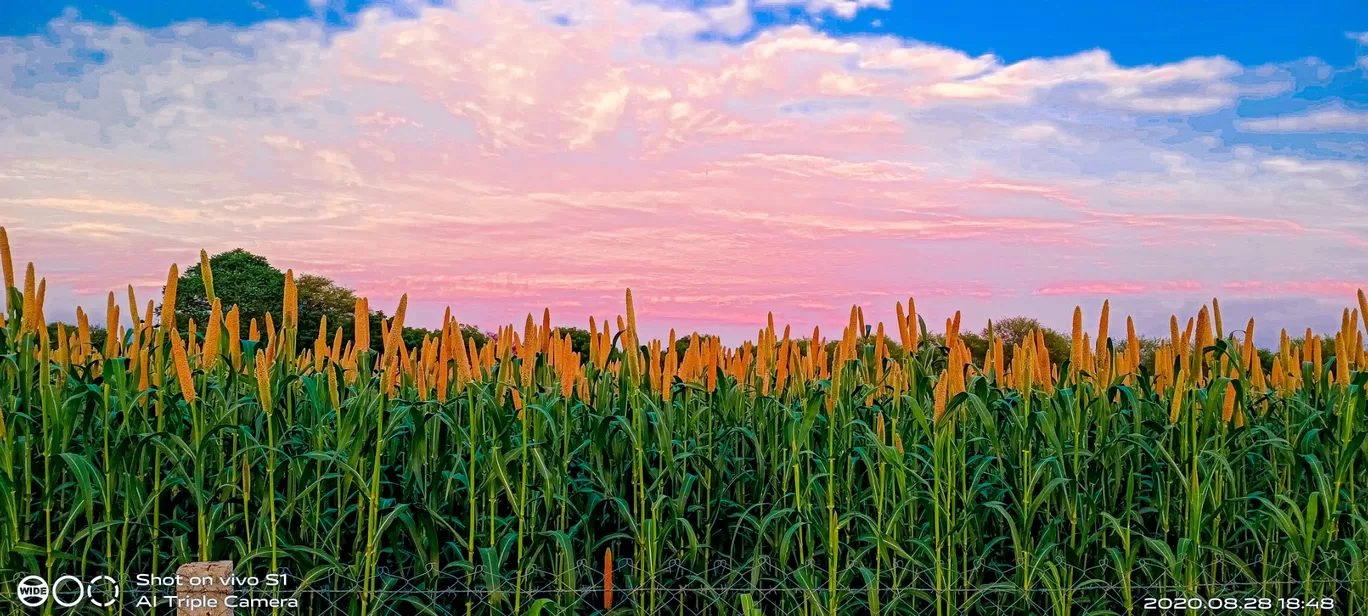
241	278
257	288
682	342
1147	348
579	340
97	334
892	347
977	345
413	336
321	297
1266	359
1014	330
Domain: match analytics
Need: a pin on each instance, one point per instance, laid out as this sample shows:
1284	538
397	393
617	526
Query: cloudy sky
722	160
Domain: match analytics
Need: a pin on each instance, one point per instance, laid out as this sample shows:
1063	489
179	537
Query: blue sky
1252	32
1135	32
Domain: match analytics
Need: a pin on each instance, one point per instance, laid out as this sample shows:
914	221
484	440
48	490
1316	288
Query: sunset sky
722	160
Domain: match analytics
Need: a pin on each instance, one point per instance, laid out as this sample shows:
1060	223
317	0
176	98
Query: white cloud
1330	170
1039	131
732	19
555	140
844	9
1330	119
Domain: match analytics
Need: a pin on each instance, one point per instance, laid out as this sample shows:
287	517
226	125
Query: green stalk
522	515
471	488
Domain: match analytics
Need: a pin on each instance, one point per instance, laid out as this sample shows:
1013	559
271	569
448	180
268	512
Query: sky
725	160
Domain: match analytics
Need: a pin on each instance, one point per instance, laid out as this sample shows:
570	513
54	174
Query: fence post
203	589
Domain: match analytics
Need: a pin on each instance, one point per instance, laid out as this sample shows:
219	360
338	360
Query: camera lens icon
33	591
111	593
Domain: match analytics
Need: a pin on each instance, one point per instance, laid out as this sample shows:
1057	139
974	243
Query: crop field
884	470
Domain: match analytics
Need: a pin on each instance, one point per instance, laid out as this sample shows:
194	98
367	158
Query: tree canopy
321	297
1014	330
257	288
241	278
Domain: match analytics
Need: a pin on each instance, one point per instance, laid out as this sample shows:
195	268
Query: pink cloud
1093	288
1230	223
1346	289
1107	288
1182	285
493	158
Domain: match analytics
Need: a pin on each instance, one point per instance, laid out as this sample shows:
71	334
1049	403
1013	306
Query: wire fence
758	587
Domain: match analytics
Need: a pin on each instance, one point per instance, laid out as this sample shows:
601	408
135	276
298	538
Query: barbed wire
765	575
718	586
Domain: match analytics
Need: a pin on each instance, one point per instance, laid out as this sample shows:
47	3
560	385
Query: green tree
891	346
579	340
258	288
97	334
682	342
1147	348
320	297
413	336
241	278
977	345
1014	330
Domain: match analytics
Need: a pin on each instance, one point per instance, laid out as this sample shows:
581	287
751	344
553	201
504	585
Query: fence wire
751	589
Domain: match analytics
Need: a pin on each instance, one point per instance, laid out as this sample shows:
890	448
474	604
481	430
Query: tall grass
522	474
